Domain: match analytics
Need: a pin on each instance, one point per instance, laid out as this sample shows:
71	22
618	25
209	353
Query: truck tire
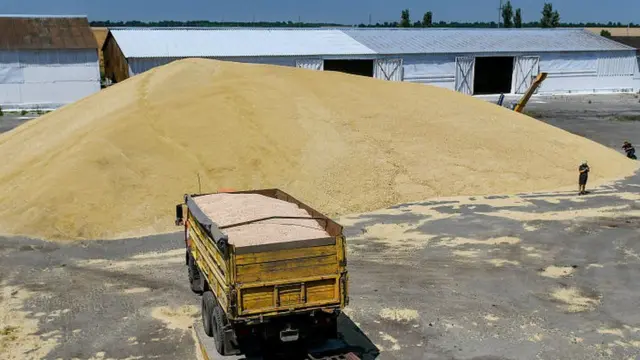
196	280
218	329
208	304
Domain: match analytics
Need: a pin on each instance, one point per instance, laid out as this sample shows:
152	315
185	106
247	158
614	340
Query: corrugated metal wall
577	72
586	72
47	78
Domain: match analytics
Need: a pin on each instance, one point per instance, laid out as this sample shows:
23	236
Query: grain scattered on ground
390	339
574	300
536	338
604	212
119	161
19	328
502	262
557	272
533	252
615	332
138	290
598	266
176	317
137	261
491	318
466	253
460	241
400	315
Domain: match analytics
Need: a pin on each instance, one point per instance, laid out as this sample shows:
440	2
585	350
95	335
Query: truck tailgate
290	279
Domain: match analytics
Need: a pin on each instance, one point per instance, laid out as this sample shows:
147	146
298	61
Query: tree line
207	23
550	19
511	18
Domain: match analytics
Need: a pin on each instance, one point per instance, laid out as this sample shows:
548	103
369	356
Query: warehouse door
525	71
493	75
311	64
350	66
388	69
464	74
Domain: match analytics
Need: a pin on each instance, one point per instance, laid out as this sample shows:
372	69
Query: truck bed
227	210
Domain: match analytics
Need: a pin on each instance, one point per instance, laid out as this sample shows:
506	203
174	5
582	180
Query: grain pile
229	209
116	163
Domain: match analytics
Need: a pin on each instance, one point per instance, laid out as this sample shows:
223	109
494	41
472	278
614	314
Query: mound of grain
116	163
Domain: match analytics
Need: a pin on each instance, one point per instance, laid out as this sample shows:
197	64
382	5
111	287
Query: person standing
584	176
630	150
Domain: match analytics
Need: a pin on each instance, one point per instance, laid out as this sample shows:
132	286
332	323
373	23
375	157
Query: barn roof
248	42
207	42
460	41
19	32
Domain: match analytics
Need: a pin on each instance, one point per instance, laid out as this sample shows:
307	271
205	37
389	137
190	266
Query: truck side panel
209	260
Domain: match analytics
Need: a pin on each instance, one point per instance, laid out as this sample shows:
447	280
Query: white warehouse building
46	61
472	61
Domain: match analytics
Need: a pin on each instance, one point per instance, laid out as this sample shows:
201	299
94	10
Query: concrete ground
9	121
530	276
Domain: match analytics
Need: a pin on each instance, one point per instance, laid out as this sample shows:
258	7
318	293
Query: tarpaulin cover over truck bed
228	209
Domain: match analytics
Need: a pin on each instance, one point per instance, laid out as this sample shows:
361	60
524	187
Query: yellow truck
269	267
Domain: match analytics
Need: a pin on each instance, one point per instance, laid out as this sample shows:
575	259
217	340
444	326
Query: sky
335	11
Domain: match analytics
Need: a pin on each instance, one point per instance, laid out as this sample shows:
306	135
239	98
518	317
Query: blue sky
340	11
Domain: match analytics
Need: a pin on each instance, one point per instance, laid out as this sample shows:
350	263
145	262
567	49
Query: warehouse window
493	75
355	67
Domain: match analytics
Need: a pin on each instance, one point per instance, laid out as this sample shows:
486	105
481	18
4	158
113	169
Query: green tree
605	33
517	19
405	19
550	18
427	19
507	15
555	19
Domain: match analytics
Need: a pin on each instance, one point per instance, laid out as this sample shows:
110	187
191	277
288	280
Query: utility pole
499	14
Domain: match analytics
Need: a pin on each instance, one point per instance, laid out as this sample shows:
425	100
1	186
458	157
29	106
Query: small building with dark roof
46	61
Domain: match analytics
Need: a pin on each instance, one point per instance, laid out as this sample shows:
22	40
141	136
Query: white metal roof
234	42
458	41
145	43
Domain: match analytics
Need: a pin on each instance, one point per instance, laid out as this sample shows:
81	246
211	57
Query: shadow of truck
352	344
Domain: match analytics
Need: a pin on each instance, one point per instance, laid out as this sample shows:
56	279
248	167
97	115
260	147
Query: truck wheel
218	329
208	304
195	277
